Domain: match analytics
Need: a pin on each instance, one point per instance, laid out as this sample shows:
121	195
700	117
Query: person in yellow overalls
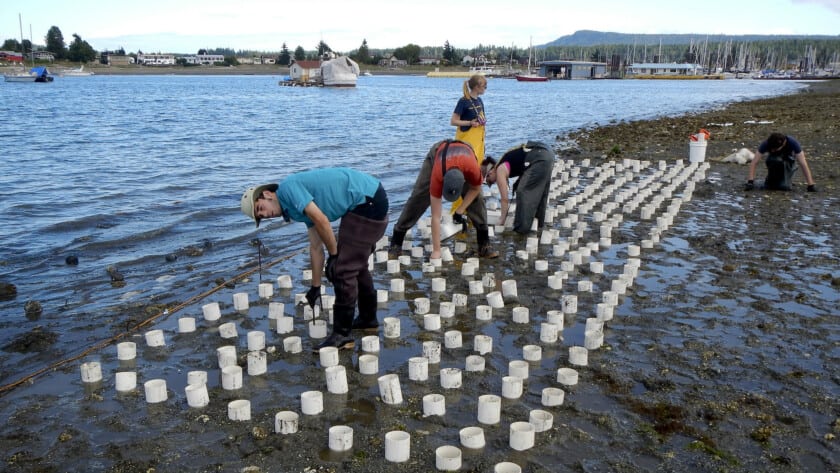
469	116
469	119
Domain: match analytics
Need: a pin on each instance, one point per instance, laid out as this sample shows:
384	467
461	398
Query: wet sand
722	356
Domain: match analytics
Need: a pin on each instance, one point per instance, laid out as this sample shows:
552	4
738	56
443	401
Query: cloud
833	5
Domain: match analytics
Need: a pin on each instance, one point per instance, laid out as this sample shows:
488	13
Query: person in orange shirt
449	171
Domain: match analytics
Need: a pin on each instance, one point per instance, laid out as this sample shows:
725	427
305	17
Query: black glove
458	218
812	188
329	272
750	185
313	296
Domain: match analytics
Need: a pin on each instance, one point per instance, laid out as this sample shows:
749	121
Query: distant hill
597	38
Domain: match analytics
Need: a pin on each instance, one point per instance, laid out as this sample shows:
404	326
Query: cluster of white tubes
582	207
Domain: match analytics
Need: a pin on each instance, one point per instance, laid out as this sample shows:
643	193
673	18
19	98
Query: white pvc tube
231	377
555	282
306	275
285	324
368	364
520	315
392	266
446	309
256	340
511	387
483	344
341	436
431	322
318	328
489	409
228	330
507	467
472	437
567	376
397	285
311	402
389	389
286	422
197	395
126	351
460	299
328	356
397	446
509	290
154	338
392	327
548	332
265	290
495	299
518	368
541	420
452	339
552	397
226	356
569	304
240	301
474	363
197	377
418	368
578	356
155	390
370	344
448	458
431	350
239	409
126	381
257	363
604	311
434	405
284	281
381	296
521	435
336	379
186	325
532	352
211	311
91	372
421	305
292	344
483	312
450	378
476	288
593	339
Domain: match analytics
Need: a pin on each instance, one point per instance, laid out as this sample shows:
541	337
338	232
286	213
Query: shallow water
671	339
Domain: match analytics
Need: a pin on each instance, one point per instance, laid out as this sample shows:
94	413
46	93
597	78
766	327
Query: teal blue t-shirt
334	190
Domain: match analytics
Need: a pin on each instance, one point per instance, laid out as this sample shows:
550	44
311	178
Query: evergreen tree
10	45
80	50
285	58
300	54
363	54
55	43
448	53
323	48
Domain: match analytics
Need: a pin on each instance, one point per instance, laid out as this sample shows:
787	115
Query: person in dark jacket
532	164
781	153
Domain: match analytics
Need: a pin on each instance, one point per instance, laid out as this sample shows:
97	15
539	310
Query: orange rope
8	387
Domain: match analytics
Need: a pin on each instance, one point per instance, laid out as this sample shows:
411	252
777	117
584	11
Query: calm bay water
124	170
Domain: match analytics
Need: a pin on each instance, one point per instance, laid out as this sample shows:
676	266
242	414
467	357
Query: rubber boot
367	313
484	248
340	336
395	249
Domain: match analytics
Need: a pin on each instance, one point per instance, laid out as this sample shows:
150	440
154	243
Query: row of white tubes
397	443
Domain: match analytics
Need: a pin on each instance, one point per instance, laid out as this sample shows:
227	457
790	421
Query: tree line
724	55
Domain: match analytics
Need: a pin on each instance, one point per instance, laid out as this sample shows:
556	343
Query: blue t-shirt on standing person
335	191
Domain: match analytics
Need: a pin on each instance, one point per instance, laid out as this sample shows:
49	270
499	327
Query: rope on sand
168	311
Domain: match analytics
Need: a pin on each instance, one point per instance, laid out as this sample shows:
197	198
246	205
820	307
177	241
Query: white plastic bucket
696	151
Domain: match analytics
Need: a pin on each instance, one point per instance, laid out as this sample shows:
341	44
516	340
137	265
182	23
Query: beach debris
7	291
72	260
759	122
32	309
116	275
171	257
742	156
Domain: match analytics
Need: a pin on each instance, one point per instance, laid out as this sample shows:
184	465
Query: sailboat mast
22	44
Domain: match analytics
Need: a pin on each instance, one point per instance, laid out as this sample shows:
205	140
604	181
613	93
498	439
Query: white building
156	59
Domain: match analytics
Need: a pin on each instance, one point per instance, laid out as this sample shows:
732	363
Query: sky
185	26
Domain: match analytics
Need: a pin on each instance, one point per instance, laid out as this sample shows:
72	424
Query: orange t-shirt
458	155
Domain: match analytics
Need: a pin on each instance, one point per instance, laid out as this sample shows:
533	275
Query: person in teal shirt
317	198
